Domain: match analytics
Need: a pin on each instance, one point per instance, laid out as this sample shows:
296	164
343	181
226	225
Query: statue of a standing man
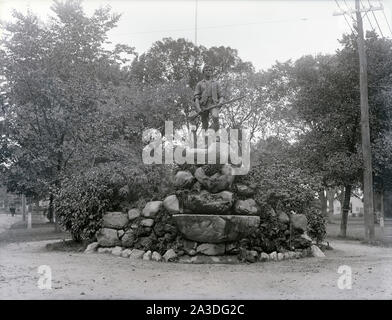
208	92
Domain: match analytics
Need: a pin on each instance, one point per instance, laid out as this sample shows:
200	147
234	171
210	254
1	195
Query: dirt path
102	276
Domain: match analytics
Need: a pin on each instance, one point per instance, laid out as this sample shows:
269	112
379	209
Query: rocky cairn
204	221
210	210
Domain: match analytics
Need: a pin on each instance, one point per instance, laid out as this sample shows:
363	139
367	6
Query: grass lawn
41	230
356	230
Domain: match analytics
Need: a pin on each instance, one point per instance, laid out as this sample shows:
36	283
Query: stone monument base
208	228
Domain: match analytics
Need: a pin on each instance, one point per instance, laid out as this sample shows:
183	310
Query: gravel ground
103	276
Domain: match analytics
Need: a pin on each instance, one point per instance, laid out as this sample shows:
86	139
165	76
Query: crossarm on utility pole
349	12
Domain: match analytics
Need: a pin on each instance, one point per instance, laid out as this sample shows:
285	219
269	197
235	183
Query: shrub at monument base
84	197
282	187
316	225
81	203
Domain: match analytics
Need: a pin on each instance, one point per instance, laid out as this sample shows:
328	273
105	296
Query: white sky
262	31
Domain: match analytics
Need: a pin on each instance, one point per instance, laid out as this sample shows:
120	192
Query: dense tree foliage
56	75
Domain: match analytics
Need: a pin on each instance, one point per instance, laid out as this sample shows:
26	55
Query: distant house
356	207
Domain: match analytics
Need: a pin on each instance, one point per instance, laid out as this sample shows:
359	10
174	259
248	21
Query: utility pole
365	129
365	132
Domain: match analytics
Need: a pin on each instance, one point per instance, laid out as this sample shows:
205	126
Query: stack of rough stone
132	234
204	222
214	211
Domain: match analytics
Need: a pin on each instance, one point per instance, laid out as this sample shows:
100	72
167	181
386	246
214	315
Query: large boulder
104	250
215	183
209	203
129	238
189	246
300	242
246	207
251	255
316	252
107	237
126	253
151	209
115	220
92	247
264	256
215	228
171	204
136	254
117	251
211	249
133	214
170	255
299	222
156	256
232	248
147	222
244	190
120	233
148	255
273	256
183	180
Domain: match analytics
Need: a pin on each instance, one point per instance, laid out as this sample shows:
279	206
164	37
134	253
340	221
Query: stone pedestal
207	228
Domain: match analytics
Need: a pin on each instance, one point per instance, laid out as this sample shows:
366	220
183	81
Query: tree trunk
382	211
53	214
345	210
60	158
23	207
324	205
194	137
50	209
377	205
341	198
330	198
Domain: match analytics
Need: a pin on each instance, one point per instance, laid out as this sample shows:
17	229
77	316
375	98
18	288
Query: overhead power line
220	26
375	18
366	14
349	11
359	11
389	26
345	18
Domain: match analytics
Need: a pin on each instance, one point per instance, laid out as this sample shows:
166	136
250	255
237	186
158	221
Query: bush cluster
84	197
316	224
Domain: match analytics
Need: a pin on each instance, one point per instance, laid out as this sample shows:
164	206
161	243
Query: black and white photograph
195	150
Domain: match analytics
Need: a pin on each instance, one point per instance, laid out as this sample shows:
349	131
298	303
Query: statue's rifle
194	114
